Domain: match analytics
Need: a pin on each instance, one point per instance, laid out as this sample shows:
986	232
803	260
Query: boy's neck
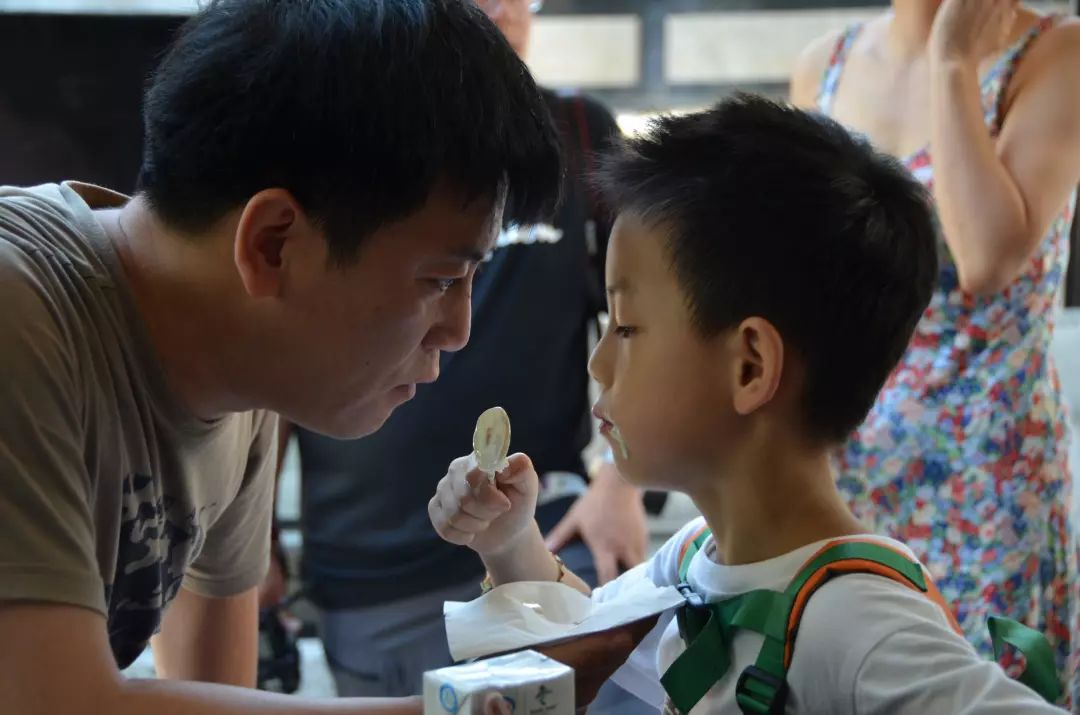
780	501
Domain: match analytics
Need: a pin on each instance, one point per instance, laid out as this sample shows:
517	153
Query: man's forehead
467	231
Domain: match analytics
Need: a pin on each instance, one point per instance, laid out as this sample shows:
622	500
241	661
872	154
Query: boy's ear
758	364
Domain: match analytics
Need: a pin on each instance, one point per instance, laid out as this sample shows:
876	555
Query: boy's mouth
610	432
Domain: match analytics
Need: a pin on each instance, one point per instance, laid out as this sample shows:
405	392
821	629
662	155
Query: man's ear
758	364
270	220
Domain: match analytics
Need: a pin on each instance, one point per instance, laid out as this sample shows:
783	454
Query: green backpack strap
762	688
1041	672
709	629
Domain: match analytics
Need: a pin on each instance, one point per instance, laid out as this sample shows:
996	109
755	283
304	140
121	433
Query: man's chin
361	421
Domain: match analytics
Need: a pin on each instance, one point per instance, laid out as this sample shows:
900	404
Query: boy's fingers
441	520
467	523
486	494
454	536
449	487
520	469
479	510
477	480
468	483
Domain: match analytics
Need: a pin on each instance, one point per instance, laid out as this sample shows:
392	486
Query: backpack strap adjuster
691	615
760	692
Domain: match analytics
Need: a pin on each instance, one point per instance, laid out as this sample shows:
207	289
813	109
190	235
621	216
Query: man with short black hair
321	179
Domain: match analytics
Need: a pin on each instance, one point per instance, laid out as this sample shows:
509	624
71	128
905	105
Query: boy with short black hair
765	274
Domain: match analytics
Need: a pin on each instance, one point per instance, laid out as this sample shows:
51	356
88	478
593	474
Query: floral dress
964	454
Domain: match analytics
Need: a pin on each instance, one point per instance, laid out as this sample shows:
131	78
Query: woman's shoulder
811	65
1054	55
821	53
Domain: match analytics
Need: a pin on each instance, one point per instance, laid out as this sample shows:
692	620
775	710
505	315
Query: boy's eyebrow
619	287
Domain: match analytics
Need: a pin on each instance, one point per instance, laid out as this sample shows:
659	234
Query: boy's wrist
525	558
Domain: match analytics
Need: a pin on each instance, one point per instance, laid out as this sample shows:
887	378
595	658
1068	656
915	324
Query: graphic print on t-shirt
157	542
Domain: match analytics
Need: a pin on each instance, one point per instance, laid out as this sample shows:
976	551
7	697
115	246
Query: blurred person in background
964	455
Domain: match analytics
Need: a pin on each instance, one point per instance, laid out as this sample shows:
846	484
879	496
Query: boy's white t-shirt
866	644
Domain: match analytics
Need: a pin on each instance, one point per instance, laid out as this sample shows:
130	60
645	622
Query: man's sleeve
47	542
236	554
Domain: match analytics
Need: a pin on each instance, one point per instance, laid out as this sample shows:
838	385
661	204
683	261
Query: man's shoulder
48	227
42	196
58	294
28	214
45	259
26	290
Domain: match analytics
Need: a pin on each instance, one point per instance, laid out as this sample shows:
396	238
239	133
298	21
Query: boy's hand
469	510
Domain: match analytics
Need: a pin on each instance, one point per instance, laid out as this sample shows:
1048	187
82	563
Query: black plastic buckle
694	608
693	599
753	703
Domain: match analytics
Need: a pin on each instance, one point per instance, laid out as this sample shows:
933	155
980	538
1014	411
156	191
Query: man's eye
624	331
446	284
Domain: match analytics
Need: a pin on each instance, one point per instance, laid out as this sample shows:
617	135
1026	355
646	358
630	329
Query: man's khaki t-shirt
112	496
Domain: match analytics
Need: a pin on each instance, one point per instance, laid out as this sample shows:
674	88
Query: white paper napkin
528	613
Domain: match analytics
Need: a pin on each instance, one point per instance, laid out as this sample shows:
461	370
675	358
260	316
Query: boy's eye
624	331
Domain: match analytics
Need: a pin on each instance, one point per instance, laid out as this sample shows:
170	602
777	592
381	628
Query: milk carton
530	683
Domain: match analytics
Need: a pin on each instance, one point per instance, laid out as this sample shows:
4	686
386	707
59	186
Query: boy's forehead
635	254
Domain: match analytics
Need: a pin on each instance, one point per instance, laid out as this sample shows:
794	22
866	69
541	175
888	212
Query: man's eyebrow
619	287
469	255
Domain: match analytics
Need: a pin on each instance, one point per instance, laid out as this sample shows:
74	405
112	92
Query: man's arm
44	643
213	640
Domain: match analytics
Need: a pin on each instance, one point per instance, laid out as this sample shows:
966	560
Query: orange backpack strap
849	556
689	550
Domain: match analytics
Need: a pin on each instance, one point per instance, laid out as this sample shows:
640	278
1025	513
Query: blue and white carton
529	683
